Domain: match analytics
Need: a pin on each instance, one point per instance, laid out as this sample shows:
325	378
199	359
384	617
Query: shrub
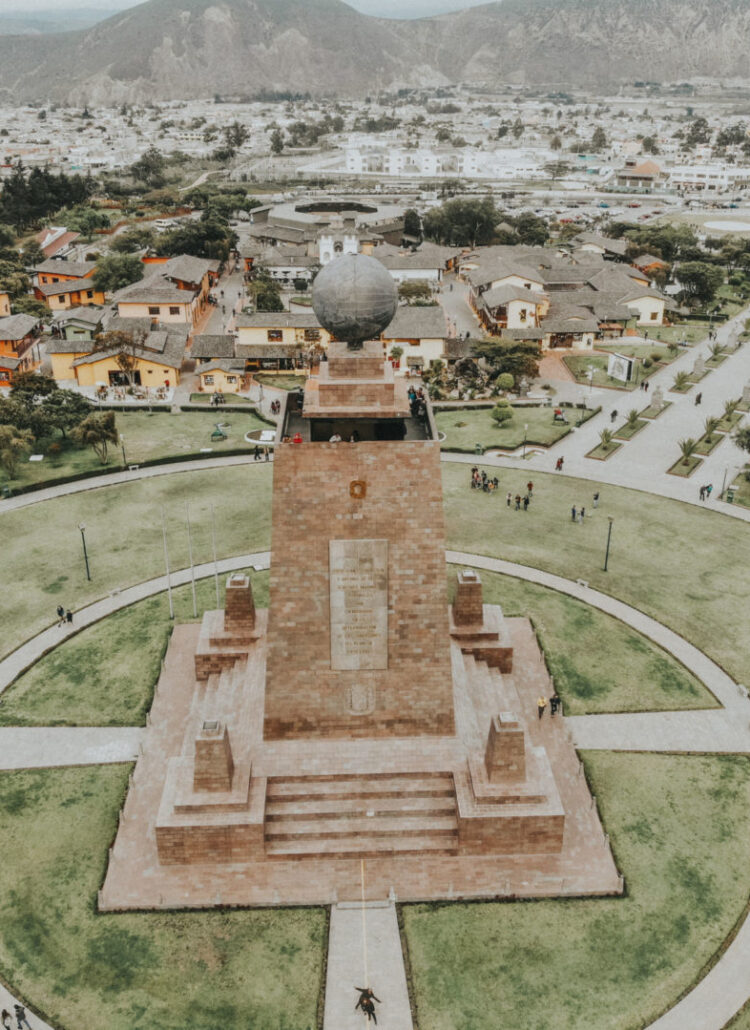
647	362
656	356
505	381
502	412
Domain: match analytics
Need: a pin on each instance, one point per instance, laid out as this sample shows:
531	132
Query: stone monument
657	399
361	716
699	368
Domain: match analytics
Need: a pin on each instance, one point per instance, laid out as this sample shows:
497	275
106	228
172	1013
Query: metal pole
216	567
166	563
724	481
525	431
190	554
82	528
122	447
609	537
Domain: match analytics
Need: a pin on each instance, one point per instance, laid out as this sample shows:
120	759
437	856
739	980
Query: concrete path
7	1001
719	731
378	964
45	747
24	656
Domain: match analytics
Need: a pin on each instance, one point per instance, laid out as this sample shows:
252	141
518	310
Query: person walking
518	502
559	464
60	615
581	515
709	488
698	398
541	704
5	1020
530	488
613	416
508	498
365	1002
646	385
69	617
256	453
573	513
702	493
554	704
526	503
21	1019
596	499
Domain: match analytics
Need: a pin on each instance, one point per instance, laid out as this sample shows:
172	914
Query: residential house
56	241
420	332
226	375
511	307
609	248
176	291
427	263
61	271
270	339
74	293
78	323
639	175
157	364
649	264
17	336
207	348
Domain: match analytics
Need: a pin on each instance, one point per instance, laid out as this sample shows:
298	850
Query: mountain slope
165	49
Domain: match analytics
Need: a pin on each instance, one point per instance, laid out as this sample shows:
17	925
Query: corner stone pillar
468	608
505	756
214	765
239	607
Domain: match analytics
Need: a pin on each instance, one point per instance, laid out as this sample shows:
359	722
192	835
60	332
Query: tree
730	407
742	438
502	412
462	222
265	293
687	449
681	380
555	143
396	354
606	437
117	271
699	281
277	141
633	416
412	290
532	230
412	223
598	140
98	430
14	444
210	237
27	305
132	240
710	426
517	128
649	145
557	169
149	169
505	381
65	409
126	346
520	358
31	387
699	132
234	137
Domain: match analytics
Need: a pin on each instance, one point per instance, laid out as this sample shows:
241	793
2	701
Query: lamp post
82	527
609	537
166	562
525	431
190	553
122	448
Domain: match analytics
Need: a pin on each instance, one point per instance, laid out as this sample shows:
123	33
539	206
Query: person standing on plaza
530	488
573	513
709	488
541	704
60	615
554	704
526	502
69	617
508	498
702	493
596	499
582	515
21	1019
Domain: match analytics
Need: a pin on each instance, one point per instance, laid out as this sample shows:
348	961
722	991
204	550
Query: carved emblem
358	489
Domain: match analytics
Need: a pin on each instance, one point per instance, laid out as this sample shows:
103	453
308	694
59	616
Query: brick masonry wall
404	505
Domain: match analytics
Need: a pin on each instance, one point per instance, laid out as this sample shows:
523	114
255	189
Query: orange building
17	336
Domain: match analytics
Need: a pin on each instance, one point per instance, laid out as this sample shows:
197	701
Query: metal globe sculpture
355	298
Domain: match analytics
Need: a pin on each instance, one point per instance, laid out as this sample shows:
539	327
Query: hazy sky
386	8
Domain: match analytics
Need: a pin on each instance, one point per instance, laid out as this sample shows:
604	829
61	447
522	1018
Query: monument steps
348	824
361	847
342	807
334	788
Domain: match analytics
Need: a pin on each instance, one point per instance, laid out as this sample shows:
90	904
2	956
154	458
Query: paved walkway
378	965
7	1001
45	747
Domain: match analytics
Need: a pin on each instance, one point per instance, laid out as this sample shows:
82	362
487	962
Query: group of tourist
555	703
21	1020
705	492
417	402
218	398
64	616
261	453
481	481
275	407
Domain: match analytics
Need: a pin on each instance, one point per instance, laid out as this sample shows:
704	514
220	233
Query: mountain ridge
168	49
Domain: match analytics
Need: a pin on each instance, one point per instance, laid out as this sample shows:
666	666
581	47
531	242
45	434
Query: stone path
7	1001
384	973
46	747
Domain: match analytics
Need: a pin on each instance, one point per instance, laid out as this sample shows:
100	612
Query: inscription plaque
358	572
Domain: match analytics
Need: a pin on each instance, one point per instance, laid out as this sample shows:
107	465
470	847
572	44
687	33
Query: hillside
165	49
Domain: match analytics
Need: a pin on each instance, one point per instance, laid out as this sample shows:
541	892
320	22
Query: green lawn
147	437
680	830
691	332
106	674
134	971
465	427
630	674
704	599
640	350
580	364
124	538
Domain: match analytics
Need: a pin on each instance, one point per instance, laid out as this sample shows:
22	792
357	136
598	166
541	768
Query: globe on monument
354	298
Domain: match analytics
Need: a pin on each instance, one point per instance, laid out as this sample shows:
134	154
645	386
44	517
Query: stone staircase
361	816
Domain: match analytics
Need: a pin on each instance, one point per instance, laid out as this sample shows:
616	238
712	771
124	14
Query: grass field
124	538
105	675
680	830
134	971
692	332
704	598
580	365
465	427
280	381
629	674
146	437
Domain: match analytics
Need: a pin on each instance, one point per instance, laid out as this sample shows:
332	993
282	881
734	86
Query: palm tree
687	446
717	348
606	439
633	416
710	426
681	380
729	409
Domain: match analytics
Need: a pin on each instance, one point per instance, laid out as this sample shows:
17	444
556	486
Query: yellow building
420	332
74	293
157	363
271	339
222	376
175	291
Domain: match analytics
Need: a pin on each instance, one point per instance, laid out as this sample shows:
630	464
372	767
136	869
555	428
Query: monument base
497	809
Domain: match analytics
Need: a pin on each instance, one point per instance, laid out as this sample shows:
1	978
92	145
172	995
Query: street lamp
525	431
122	448
82	527
609	537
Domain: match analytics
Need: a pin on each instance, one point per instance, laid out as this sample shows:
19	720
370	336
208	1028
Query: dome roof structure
355	298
